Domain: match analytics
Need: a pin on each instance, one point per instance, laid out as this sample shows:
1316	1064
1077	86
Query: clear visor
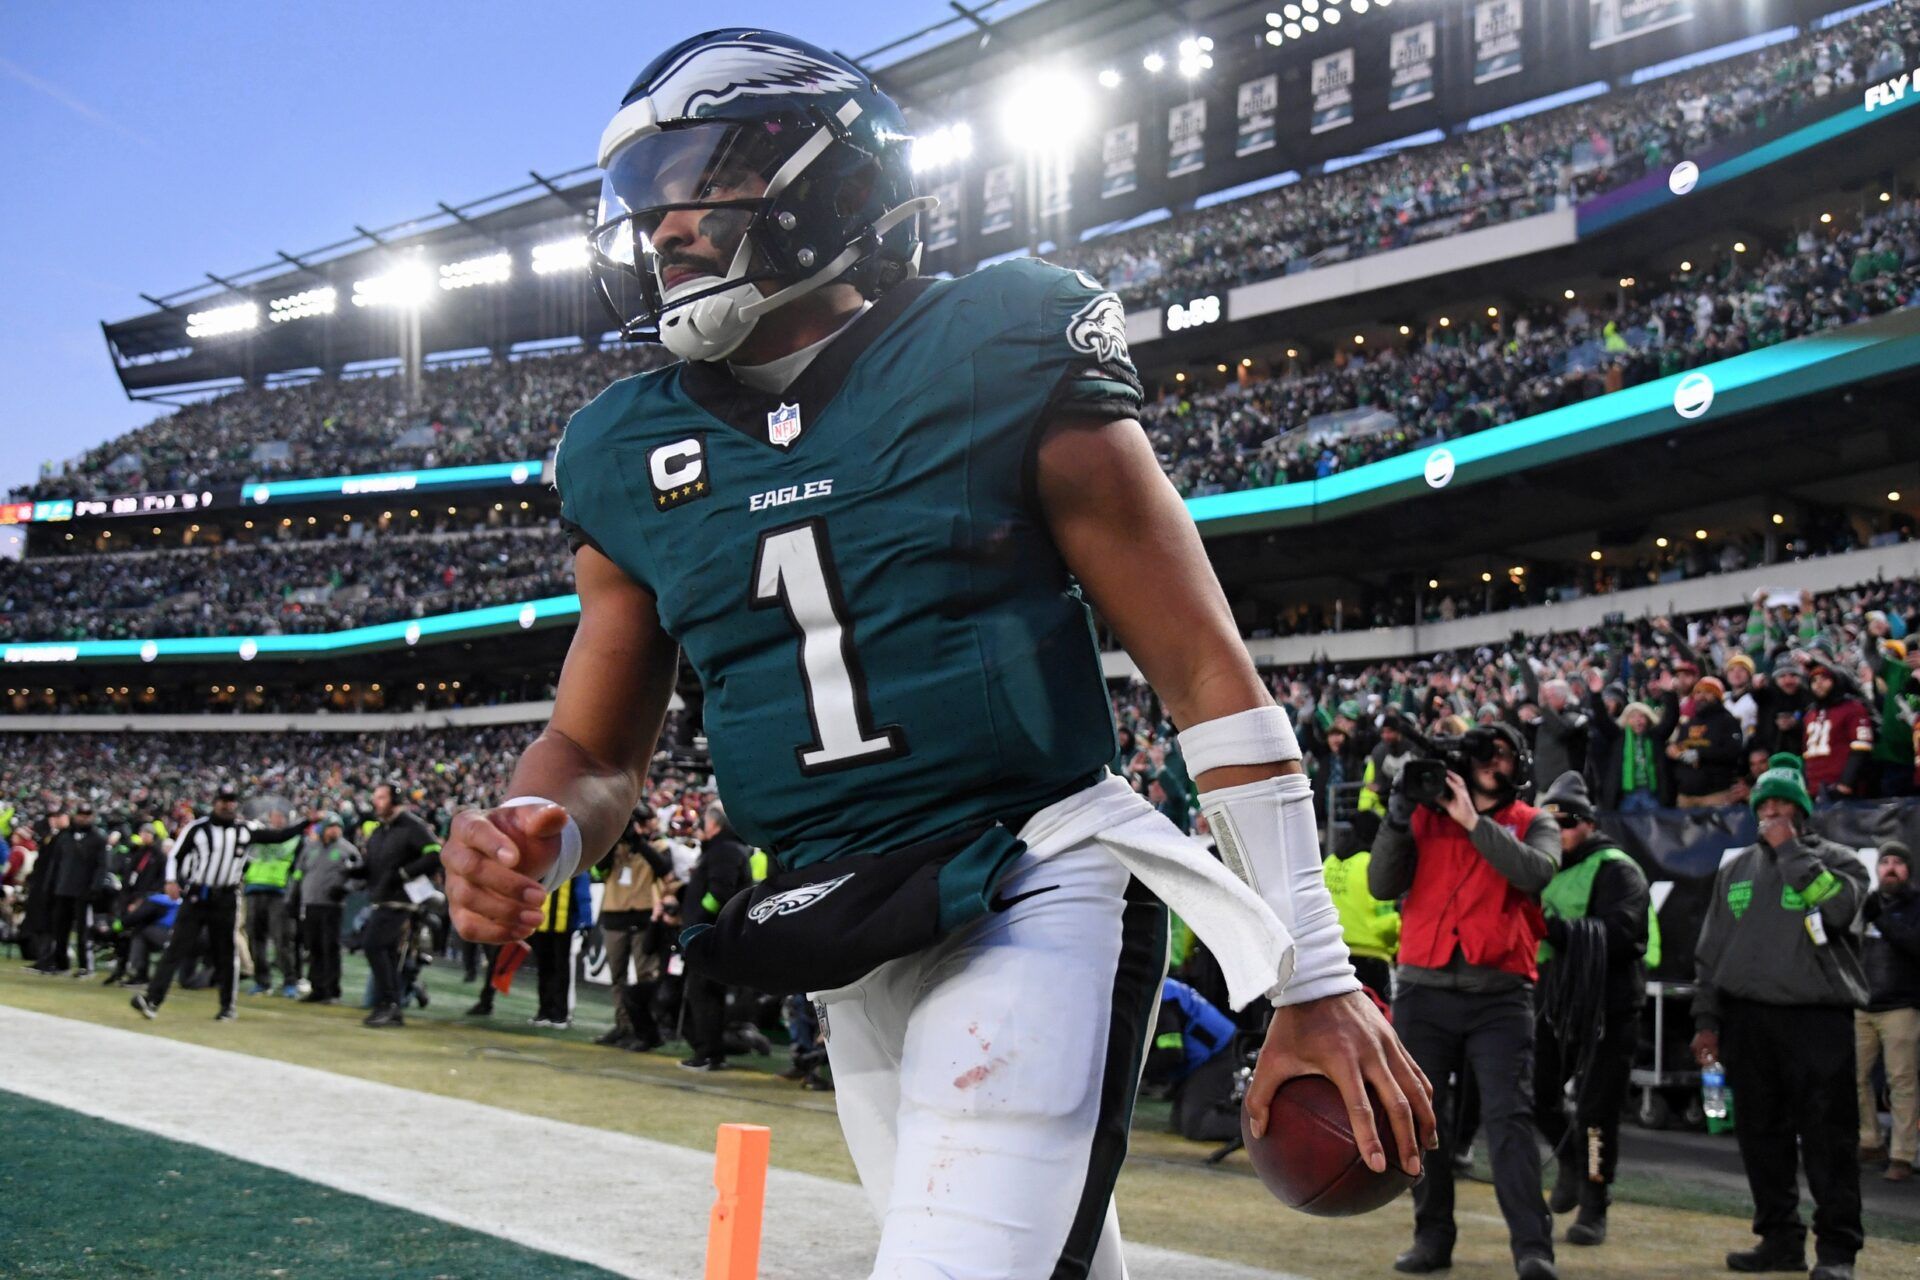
716	165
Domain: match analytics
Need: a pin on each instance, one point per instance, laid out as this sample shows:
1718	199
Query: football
1308	1158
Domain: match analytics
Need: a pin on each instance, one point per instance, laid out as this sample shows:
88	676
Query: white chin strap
714	327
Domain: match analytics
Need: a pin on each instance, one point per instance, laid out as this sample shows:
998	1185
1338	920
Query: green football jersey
891	647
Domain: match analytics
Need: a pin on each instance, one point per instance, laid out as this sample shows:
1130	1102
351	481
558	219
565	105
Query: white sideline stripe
604	1198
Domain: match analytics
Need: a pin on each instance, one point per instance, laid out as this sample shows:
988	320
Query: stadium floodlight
947	145
1196	55
1311	6
1293	31
308	302
1273	19
1293	12
556	256
1275	39
1359	6
1052	101
495	268
1333	17
407	285
1154	64
1109	79
236	318
1310	22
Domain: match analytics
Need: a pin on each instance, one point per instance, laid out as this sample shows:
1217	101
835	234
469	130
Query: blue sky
146	144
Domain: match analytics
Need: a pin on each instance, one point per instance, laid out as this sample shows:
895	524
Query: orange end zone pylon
740	1181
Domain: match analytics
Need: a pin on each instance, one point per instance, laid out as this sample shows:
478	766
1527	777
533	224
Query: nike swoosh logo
1000	902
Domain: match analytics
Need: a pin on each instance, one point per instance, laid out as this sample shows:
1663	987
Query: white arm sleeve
1267	836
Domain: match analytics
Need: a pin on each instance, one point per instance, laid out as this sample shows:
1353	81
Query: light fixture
1275	39
1568	295
1246	362
238	318
1739	246
406	285
1273	19
1778	518
1660	542
1484	575
1893	495
556	256
1593	555
494	268
1154	64
1359	6
1109	79
1433	584
1045	112
1826	217
1292	353
1310	22
1292	11
1686	266
310	302
1493	311
951	144
1333	17
1179	377
1444	322
1219	368
1701	534
1293	31
1405	330
1359	339
1626	282
1885	196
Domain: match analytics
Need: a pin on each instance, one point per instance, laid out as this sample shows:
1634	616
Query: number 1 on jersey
793	568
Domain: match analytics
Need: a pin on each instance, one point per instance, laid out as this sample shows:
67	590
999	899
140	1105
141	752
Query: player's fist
493	861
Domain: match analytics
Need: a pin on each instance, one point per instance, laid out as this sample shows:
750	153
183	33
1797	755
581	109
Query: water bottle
1713	1091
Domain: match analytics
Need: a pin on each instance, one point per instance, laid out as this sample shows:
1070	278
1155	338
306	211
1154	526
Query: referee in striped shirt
206	863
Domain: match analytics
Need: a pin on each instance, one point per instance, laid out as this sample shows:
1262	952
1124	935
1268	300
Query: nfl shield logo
783	425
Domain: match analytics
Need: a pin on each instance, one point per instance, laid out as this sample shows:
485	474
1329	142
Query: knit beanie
1782	783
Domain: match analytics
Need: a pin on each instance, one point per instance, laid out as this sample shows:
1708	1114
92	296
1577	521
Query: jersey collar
714	389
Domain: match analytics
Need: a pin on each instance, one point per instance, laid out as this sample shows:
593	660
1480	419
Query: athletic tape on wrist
568	862
1262	735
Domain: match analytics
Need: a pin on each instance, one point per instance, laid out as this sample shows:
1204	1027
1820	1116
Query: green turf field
82	1198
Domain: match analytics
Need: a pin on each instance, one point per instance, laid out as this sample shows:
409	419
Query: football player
872	510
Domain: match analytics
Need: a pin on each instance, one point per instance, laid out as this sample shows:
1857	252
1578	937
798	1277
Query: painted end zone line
544	1184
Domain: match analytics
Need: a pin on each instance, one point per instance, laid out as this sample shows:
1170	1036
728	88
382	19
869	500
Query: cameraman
1471	863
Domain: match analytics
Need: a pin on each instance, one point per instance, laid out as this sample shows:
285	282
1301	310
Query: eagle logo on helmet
713	75
785	904
1099	329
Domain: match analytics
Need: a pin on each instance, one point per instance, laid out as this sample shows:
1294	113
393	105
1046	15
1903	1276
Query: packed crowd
1479	373
514	410
1524	167
504	411
277	589
1656	712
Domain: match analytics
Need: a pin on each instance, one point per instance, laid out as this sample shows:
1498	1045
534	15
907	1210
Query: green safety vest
6	821
1567	894
1371	927
271	865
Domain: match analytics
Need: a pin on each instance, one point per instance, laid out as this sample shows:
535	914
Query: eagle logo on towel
785	904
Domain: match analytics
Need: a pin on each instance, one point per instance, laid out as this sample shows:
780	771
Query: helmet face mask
741	159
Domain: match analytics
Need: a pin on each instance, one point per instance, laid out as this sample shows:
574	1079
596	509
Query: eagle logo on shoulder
1099	329
785	904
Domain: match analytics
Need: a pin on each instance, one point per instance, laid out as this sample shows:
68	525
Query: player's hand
490	897
1345	1039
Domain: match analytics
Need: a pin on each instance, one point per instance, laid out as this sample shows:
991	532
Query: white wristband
568	862
1262	735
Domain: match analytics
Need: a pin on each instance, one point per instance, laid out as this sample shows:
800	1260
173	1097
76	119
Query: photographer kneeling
1471	858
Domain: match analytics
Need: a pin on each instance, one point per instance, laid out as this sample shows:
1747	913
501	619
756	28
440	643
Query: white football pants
986	1084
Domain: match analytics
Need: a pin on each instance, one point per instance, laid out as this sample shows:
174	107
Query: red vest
1459	901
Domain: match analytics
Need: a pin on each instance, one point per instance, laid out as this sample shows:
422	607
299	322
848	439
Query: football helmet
786	160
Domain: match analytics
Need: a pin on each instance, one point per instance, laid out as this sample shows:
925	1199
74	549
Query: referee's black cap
226	792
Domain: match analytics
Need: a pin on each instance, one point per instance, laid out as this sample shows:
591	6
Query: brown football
1308	1158
536	853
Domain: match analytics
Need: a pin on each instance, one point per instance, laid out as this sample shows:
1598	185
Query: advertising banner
1120	161
1611	21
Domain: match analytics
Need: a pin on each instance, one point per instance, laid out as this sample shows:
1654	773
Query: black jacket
398	850
1770	703
1608	758
1620	901
1891	955
1559	737
83	861
1714	733
723	871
